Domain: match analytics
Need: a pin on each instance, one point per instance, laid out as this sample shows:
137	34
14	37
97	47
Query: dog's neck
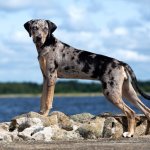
50	42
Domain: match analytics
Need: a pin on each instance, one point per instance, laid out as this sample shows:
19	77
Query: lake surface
10	107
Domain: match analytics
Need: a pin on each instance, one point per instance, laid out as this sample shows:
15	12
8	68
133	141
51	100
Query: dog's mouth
38	41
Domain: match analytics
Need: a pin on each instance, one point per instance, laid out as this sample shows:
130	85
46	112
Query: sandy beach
141	143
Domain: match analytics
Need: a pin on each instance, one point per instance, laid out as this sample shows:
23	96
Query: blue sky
117	28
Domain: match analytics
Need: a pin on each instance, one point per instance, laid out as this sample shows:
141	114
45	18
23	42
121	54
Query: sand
139	143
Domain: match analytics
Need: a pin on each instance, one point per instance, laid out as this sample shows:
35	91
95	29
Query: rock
52	120
5	137
24	122
4	126
46	121
14	136
82	118
115	126
27	133
61	134
63	121
29	119
142	127
29	115
37	133
93	129
43	135
58	126
112	128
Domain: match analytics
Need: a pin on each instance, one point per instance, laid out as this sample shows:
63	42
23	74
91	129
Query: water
10	107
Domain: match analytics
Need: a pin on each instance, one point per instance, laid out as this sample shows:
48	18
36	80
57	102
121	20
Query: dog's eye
45	29
34	28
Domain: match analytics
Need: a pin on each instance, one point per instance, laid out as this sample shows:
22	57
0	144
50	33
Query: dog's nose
38	38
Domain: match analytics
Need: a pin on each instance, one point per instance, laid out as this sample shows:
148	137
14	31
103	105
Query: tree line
61	87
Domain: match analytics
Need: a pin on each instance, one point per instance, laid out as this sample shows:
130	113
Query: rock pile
58	126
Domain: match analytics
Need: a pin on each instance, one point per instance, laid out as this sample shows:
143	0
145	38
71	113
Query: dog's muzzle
37	39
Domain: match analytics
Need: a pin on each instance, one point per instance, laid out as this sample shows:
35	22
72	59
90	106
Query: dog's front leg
43	97
49	98
49	76
42	62
49	93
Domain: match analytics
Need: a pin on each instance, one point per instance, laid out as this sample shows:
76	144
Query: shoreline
55	95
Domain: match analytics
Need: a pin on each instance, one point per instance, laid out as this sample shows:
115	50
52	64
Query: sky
116	28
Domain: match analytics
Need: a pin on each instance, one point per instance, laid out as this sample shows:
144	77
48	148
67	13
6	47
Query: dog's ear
52	27
27	26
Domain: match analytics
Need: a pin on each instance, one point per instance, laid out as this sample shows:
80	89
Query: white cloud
76	14
6	54
120	31
21	37
105	32
130	55
14	4
19	5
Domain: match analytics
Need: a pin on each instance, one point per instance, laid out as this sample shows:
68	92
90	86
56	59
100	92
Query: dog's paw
127	134
45	113
41	112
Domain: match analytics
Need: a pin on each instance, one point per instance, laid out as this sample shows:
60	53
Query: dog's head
39	30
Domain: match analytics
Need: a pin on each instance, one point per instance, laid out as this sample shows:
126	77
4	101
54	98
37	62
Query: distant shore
56	95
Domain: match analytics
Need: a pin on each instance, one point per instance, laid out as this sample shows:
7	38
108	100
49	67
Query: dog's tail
134	81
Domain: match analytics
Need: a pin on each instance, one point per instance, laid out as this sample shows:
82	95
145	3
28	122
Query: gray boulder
58	126
82	118
93	129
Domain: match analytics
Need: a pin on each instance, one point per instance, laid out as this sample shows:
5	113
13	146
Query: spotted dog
60	60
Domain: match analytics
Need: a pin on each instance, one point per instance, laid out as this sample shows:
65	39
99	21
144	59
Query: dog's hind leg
112	89
117	101
130	94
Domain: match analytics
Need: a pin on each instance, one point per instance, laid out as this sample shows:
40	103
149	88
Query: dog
60	60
